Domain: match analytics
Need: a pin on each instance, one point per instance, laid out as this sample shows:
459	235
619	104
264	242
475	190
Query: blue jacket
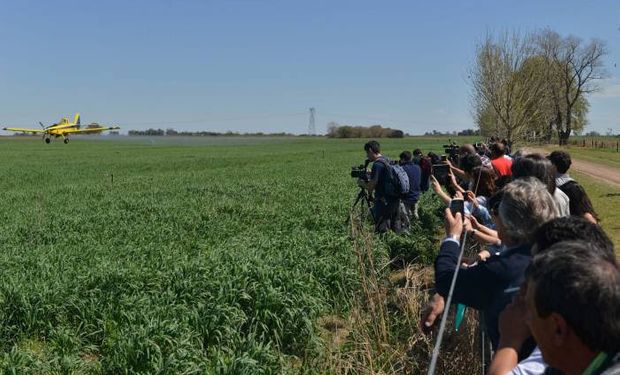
414	173
488	286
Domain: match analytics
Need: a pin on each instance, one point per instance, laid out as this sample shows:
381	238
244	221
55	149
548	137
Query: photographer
489	286
463	152
385	207
410	200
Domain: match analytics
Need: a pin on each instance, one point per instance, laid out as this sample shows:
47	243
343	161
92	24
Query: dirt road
600	172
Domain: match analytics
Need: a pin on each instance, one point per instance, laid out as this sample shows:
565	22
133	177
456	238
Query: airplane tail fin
77	119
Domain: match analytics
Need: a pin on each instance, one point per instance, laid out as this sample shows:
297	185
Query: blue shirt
415	175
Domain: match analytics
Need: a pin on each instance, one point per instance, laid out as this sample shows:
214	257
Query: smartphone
441	173
458	205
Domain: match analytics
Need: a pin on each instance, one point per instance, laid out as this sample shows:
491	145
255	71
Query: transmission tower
311	124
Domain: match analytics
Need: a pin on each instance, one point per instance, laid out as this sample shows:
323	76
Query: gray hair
525	206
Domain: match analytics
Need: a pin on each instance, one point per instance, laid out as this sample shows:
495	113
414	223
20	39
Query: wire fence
612	144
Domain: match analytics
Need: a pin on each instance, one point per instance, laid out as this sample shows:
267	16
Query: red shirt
502	166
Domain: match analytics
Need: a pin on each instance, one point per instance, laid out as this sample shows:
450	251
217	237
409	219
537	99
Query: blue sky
259	65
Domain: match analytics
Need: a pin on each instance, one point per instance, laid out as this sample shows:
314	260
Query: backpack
397	183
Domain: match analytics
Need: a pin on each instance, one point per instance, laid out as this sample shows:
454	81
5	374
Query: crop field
176	255
201	255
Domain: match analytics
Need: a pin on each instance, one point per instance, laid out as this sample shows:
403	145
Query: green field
175	255
202	255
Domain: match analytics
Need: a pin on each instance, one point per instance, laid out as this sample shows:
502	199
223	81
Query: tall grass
381	333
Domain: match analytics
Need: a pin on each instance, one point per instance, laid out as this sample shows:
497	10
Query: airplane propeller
42	126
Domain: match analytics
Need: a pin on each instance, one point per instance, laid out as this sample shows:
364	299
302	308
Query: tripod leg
361	196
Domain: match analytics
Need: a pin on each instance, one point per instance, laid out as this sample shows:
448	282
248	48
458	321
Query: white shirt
532	365
561	202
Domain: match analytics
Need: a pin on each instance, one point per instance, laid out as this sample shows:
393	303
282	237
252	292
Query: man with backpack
388	182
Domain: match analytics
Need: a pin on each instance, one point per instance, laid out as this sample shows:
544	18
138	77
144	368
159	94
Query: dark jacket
425	166
488	286
414	173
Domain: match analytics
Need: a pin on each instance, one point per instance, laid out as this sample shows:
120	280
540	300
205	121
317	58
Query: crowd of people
545	277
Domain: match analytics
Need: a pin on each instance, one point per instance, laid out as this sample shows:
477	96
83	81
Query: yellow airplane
62	129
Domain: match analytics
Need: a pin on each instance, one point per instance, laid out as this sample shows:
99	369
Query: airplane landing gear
66	140
47	140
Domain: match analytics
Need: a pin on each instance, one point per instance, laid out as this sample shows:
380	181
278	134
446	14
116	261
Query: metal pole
444	318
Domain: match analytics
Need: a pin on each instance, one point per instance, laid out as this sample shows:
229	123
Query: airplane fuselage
63	129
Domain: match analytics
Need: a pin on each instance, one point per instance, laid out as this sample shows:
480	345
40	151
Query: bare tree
504	90
573	71
332	128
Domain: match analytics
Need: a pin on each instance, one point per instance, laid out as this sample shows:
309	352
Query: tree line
173	132
462	133
535	85
375	131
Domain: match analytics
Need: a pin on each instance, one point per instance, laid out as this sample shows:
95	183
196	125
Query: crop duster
63	129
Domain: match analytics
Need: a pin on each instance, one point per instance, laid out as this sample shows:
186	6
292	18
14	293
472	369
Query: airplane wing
24	130
91	130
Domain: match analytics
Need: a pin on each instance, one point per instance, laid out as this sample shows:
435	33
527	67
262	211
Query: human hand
434	309
470	196
467	224
453	179
474	222
483	256
467	262
458	195
435	184
513	330
453	223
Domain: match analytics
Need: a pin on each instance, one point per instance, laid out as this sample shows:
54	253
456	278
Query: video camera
452	151
361	171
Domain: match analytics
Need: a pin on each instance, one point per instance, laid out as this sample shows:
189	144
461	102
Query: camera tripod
364	201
